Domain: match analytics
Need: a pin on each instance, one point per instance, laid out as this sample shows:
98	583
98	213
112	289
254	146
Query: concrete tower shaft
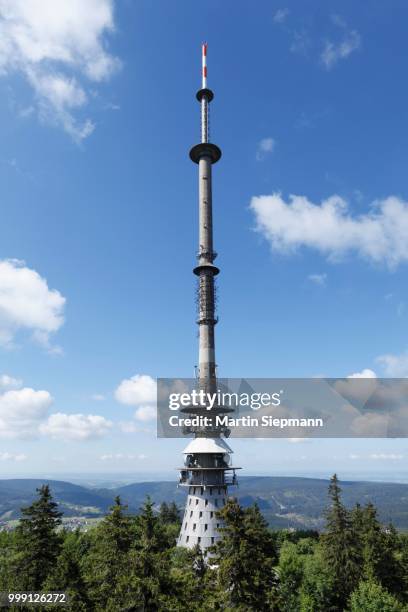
205	154
206	272
207	470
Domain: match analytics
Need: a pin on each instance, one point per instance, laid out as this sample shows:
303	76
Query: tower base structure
208	475
200	523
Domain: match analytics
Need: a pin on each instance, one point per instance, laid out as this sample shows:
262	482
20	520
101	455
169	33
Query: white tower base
200	523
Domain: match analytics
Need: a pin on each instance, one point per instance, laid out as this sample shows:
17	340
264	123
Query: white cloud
12	457
366	373
140	391
318	279
75	426
26	302
265	147
395	366
335	51
122	457
371	425
8	382
53	43
22	412
298	440
145	413
387	456
98	397
379	456
380	235
281	15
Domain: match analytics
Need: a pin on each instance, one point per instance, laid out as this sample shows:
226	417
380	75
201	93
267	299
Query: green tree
245	556
107	561
37	543
67	575
290	569
7	554
403	541
317	588
379	549
341	548
372	597
372	540
192	579
149	562
174	513
164	512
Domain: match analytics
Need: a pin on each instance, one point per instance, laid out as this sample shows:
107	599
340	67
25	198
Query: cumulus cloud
22	411
264	148
395	366
75	426
366	373
349	42
140	391
27	303
380	235
370	425
59	48
318	279
24	414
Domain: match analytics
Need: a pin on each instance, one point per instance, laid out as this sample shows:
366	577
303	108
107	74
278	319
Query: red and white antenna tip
204	58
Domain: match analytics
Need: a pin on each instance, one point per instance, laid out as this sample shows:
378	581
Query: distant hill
284	501
74	500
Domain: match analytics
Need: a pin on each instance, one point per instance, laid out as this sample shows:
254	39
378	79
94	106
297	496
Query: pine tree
245	557
341	549
392	572
379	549
192	580
372	543
150	562
403	557
7	564
164	512
37	542
107	561
174	513
169	513
67	575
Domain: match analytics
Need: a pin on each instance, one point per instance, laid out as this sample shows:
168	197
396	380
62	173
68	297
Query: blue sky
99	217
